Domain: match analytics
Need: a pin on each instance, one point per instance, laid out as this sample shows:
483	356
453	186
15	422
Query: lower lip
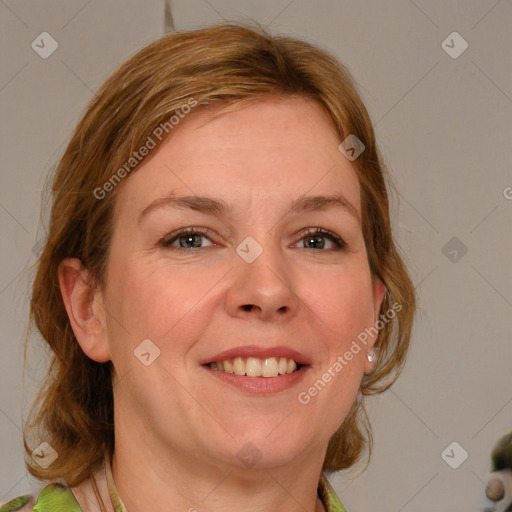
260	385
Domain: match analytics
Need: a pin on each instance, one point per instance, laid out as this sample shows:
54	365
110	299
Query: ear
379	290
84	305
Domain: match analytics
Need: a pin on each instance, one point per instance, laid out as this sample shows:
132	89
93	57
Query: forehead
270	151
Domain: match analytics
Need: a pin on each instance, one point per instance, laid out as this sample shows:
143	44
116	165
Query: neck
153	482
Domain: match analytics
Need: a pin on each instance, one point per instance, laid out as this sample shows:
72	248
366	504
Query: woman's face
251	284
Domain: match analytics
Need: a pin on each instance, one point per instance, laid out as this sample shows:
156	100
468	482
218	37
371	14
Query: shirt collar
112	489
327	494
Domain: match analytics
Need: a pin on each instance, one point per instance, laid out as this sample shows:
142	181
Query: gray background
444	128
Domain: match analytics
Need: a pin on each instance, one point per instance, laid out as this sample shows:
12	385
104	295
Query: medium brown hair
232	66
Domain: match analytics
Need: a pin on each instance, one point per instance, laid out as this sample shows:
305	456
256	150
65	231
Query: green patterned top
55	497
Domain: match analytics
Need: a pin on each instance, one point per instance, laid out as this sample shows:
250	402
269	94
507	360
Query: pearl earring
371	356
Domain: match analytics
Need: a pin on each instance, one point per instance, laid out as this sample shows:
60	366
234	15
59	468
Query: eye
189	238
315	239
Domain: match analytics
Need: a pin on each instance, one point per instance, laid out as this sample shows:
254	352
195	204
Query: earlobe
84	307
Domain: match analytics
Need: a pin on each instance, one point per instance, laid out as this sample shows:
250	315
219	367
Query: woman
220	286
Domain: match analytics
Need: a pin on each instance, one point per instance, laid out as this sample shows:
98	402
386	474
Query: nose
263	289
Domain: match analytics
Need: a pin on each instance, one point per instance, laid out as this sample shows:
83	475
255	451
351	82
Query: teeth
253	367
238	366
291	366
256	367
270	367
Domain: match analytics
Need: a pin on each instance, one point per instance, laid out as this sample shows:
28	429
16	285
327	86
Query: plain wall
444	128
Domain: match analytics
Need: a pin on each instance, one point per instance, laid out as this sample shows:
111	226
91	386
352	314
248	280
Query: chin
268	450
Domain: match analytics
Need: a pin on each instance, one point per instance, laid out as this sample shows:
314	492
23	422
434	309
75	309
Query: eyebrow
212	206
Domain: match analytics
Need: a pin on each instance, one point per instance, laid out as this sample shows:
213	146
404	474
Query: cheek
343	301
154	301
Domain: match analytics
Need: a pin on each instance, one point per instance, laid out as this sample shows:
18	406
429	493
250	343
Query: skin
178	429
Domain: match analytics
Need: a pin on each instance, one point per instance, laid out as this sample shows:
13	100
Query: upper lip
259	352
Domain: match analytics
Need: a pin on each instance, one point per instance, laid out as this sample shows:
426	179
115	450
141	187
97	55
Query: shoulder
52	497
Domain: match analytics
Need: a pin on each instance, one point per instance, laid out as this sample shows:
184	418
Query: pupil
315	242
190	238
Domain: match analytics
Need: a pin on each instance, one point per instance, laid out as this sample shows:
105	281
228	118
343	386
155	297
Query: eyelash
169	239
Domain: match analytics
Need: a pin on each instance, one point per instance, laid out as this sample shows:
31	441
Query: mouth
257	367
259	370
